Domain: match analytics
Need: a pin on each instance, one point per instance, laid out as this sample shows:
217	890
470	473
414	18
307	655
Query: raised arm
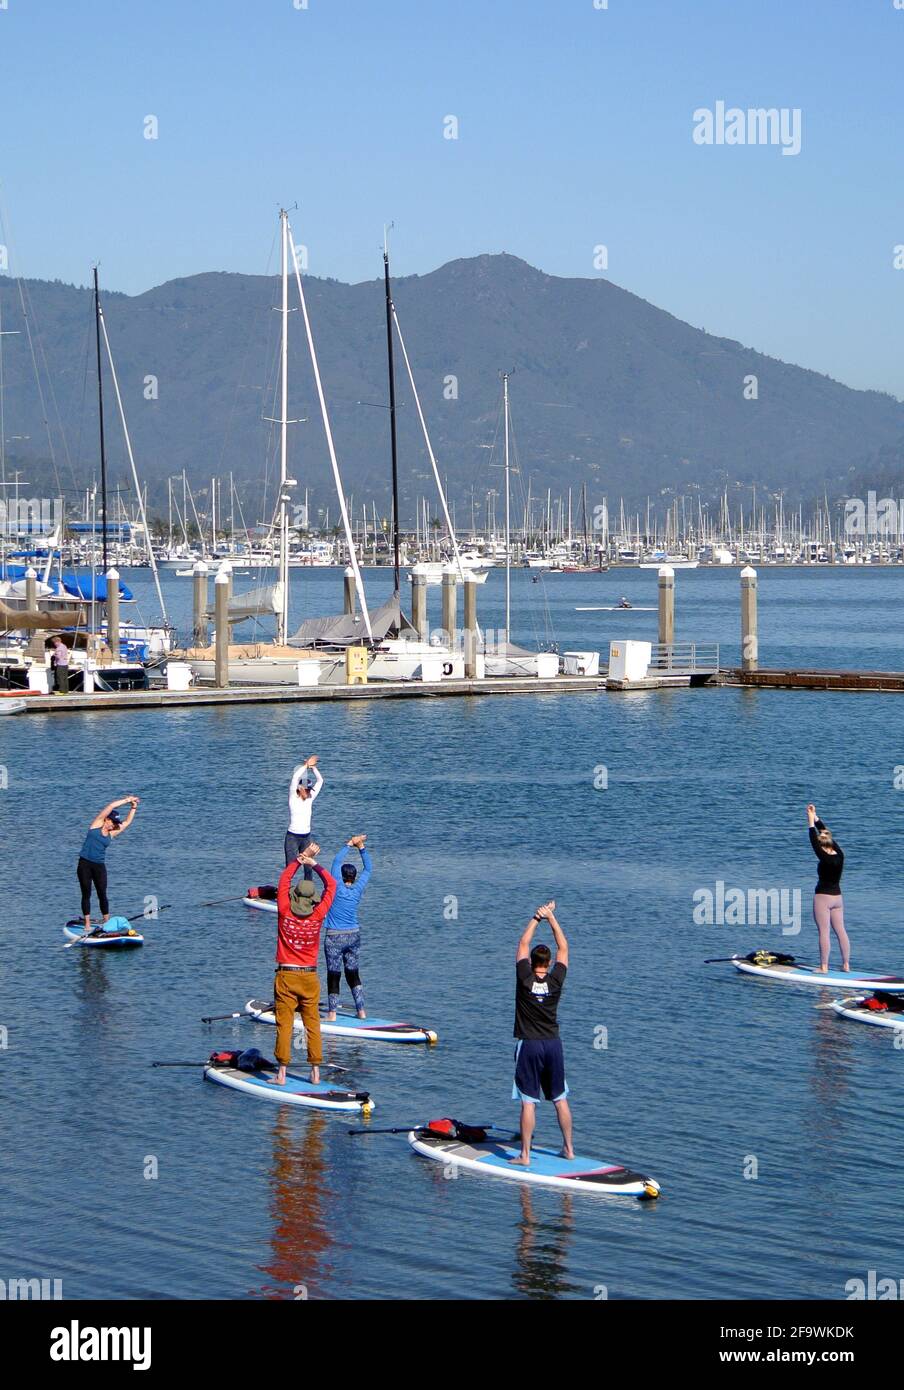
561	942
133	807
108	810
523	949
318	781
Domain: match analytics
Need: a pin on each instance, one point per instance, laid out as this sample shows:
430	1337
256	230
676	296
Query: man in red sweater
297	986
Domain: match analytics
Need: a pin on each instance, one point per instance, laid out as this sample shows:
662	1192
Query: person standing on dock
539	1057
828	904
92	866
342	938
59	660
301	809
297	986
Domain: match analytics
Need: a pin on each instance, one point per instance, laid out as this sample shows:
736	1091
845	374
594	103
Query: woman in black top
828	905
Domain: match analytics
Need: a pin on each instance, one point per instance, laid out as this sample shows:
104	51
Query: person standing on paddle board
301	809
539	1058
828	904
92	867
342	937
296	986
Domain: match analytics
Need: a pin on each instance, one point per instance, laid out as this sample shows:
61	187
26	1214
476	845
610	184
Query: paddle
406	1129
325	1066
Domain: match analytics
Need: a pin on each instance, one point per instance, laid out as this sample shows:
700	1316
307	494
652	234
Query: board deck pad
854	1010
298	1090
106	940
807	975
350	1025
547	1166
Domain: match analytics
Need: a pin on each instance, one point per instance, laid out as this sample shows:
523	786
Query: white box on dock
547	665
178	675
443	666
582	663
309	672
629	661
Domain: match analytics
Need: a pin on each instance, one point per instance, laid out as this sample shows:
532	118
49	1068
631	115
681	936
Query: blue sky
575	130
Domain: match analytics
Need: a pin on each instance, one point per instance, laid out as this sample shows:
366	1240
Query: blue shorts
539	1070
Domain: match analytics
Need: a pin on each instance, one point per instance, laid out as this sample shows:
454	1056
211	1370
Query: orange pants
296	990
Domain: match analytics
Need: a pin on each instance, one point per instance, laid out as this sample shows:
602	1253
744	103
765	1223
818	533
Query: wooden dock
115	701
768	678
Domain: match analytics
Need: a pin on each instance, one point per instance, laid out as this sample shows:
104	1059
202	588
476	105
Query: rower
623	602
301	809
342	938
539	1057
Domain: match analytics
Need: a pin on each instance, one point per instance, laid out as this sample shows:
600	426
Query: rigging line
125	430
353	557
433	463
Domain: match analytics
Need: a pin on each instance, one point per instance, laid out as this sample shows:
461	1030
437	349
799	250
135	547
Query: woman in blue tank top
92	868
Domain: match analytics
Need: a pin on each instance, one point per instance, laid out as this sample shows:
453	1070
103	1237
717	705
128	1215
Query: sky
575	130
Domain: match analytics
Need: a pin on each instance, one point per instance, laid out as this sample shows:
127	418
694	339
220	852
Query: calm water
492	801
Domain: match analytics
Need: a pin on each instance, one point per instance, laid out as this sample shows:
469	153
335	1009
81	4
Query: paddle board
853	1009
350	1026
264	904
298	1090
807	975
117	937
547	1167
613	608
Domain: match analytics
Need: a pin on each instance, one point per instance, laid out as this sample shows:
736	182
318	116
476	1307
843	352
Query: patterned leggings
341	949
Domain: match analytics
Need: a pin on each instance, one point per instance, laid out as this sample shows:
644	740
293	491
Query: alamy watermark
748	907
734	125
30	516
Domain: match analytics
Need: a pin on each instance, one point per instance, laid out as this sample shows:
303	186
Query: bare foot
331	1018
566	1153
279	1079
846	969
315	1076
821	970
522	1161
362	1014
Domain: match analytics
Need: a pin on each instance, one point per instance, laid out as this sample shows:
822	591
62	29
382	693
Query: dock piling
749	635
450	602
470	626
349	587
419	602
199	604
666	605
221	618
112	577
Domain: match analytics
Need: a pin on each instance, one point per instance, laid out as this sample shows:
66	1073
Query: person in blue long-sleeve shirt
342	935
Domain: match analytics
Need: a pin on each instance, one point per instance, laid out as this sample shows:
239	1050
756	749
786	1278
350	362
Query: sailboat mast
508	526
392	422
100	408
282	622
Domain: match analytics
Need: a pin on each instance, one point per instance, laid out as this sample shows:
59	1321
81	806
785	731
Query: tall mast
100	408
282	622
392	420
508	546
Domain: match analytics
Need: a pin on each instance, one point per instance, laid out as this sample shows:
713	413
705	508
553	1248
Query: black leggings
90	873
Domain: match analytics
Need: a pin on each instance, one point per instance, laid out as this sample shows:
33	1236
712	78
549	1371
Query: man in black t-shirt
539	1059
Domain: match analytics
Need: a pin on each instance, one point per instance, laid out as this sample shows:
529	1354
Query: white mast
282	617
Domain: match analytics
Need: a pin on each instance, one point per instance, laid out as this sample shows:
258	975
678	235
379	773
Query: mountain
606	390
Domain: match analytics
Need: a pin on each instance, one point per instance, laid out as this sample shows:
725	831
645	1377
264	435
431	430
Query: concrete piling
666	605
221	618
450	601
199	629
419	602
112	577
749	635
470	626
350	595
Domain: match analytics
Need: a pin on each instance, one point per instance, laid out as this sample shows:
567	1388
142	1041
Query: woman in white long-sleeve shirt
301	807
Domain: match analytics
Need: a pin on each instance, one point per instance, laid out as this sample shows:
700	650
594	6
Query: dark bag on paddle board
883	1002
249	1060
454	1129
266	891
769	958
